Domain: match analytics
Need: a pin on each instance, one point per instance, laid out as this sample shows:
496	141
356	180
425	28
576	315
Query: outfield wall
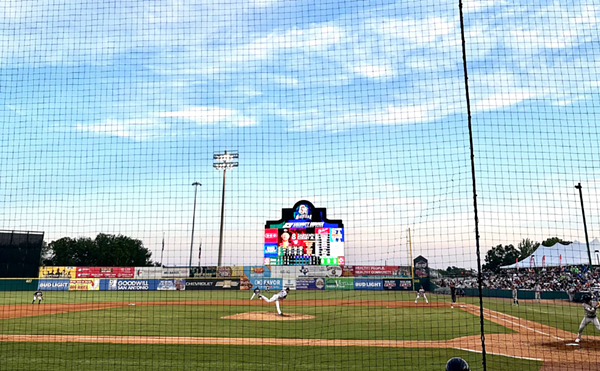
181	284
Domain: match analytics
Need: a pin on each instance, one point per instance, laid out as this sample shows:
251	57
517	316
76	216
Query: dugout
20	253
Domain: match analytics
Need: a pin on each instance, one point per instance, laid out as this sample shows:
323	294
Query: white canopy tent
575	253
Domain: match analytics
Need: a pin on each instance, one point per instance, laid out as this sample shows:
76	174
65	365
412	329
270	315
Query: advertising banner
289	282
339	283
257	272
57	272
175	273
204	271
105	272
267	283
224	272
132	284
148	272
84	285
368	284
374	270
227	284
200	284
310	283
172	284
53	285
283	271
397	284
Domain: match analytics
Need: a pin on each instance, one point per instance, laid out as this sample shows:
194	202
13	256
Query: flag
560	261
517	263
531	262
544	261
163	244
200	252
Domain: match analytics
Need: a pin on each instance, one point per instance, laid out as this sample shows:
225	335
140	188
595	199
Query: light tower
224	161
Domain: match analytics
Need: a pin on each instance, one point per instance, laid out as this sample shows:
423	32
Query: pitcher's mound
269	316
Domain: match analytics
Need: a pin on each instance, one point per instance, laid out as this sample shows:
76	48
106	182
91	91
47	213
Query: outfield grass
370	323
330	322
107	357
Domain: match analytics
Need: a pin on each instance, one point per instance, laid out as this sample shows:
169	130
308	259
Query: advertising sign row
268	284
242	272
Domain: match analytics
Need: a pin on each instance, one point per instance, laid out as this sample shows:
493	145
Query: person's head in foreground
457	364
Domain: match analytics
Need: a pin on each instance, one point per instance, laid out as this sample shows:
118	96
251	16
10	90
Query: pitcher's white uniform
421	294
279	296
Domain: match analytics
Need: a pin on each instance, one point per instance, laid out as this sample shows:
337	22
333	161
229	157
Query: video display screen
304	236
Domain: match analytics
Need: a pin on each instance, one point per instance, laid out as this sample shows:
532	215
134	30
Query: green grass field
187	320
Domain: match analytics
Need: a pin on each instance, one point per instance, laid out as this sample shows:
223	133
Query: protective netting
177	155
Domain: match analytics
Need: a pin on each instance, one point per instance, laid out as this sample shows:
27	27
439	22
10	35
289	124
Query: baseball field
321	330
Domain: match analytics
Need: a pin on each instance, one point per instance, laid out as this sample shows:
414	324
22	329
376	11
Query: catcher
590	315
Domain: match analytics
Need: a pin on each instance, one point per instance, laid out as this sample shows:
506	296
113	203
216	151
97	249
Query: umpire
457	364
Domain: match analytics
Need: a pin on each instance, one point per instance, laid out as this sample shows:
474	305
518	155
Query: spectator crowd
567	279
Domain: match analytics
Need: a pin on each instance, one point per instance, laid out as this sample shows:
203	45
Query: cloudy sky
111	110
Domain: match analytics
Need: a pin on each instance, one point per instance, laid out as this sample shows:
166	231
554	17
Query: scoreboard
304	236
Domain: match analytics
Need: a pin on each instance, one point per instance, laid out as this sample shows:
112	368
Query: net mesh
448	146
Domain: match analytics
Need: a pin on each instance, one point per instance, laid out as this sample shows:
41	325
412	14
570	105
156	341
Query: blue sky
111	110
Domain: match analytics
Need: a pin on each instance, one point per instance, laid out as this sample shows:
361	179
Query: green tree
554	240
526	248
499	256
105	250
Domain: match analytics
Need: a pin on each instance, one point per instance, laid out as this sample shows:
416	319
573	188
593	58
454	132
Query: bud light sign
368	284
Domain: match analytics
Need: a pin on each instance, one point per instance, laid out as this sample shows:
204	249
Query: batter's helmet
586	298
457	364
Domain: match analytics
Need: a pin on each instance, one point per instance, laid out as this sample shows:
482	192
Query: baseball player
38	295
279	296
457	364
256	293
453	293
515	295
538	292
590	315
421	294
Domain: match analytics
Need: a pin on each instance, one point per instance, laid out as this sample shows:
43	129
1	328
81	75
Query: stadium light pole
224	161
195	184
587	241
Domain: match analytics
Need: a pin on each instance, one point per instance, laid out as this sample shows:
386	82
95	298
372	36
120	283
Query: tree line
501	255
106	250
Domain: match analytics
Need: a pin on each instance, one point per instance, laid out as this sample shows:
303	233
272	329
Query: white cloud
137	129
212	115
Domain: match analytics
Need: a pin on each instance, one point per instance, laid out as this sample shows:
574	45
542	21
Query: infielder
515	295
538	292
256	292
279	296
590	316
38	295
421	294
